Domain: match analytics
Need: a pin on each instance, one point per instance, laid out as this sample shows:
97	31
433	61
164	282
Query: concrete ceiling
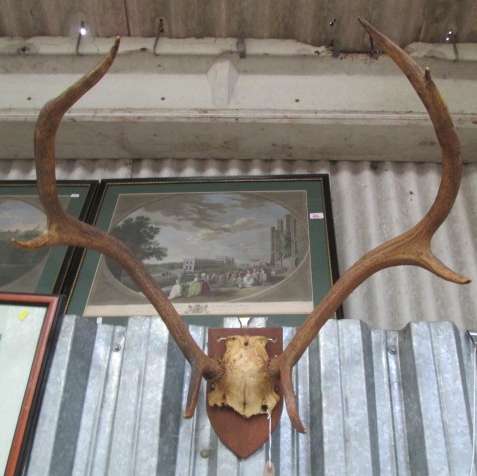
301	85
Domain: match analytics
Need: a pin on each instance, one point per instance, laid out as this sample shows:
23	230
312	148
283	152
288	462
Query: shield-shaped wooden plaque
243	436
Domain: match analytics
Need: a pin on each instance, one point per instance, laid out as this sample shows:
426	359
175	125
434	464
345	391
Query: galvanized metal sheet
375	402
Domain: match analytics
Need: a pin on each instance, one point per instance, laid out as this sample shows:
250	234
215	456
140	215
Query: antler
62	229
411	248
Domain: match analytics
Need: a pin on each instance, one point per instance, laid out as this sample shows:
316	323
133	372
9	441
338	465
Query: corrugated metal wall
380	402
372	202
375	403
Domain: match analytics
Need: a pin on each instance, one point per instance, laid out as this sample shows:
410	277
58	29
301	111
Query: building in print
191	265
288	243
225	261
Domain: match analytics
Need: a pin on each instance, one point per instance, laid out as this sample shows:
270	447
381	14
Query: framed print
248	246
27	322
44	270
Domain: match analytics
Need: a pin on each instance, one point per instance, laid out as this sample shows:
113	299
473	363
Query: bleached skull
245	385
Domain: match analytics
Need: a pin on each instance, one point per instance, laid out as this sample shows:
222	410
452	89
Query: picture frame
45	270
27	331
274	234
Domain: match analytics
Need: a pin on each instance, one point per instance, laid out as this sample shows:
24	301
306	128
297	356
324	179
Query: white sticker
317	216
75	195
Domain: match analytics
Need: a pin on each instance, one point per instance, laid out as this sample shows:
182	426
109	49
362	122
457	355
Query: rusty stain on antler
411	248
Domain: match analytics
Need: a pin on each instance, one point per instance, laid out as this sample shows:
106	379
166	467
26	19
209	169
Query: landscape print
211	253
21	219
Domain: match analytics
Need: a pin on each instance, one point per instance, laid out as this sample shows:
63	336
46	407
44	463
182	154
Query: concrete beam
198	99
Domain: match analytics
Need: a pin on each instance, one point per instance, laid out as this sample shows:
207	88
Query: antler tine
411	248
47	125
63	229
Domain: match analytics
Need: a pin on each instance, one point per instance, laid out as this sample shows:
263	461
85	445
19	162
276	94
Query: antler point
434	265
298	425
34	243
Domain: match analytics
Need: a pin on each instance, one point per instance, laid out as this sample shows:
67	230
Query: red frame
52	303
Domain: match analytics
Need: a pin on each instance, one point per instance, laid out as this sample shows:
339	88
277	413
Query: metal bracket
159	30
81	33
241	48
452	38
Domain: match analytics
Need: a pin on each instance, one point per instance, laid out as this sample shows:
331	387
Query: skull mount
240	402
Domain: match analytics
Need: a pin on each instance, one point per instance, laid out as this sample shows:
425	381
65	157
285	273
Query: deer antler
411	248
62	229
